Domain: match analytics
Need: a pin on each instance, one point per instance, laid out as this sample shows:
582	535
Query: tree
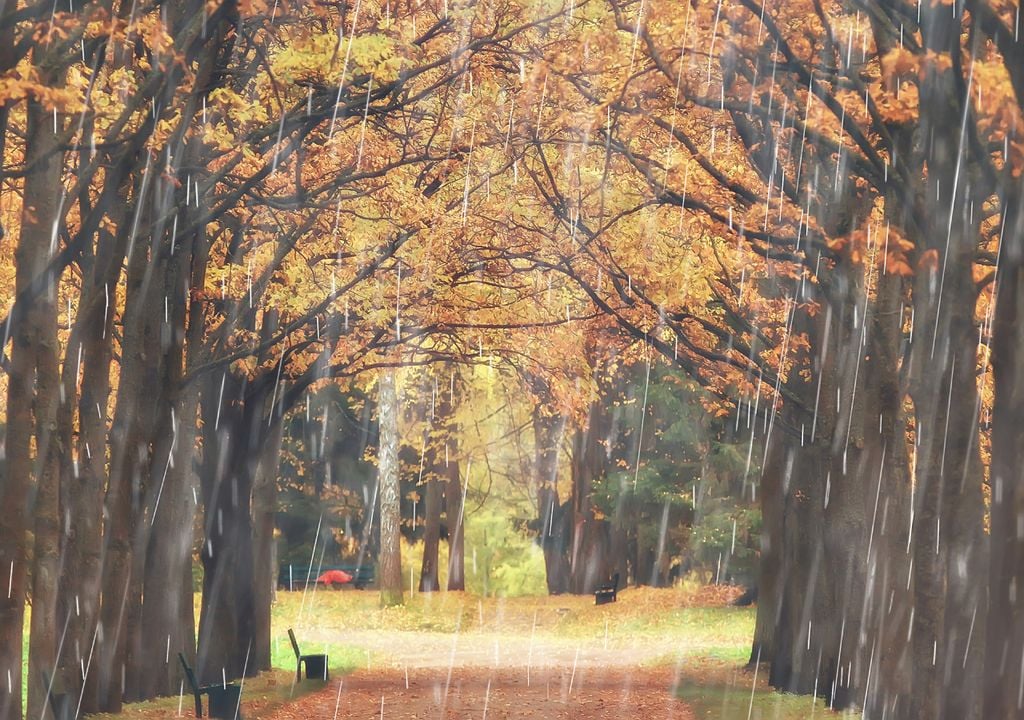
390	570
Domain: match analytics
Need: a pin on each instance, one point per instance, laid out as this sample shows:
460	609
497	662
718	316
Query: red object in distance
334	577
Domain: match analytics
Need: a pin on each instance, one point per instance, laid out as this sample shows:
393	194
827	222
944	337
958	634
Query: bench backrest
189	675
295	645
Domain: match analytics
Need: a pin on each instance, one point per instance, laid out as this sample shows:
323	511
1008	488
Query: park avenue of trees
797	227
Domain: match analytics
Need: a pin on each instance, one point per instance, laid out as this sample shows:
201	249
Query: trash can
224	702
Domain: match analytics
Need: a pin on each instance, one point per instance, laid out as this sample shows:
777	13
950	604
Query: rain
512	359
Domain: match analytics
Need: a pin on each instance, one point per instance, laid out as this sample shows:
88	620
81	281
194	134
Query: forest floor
674	653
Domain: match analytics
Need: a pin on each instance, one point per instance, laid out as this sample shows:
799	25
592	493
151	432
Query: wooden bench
316	665
222	700
608	593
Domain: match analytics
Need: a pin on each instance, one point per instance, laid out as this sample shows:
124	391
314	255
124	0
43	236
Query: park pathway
495	676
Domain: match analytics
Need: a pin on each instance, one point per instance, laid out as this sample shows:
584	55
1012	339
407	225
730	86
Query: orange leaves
15	86
896	249
900	61
928	261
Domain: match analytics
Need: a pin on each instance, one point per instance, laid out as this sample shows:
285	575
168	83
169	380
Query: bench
223	700
316	665
298	577
608	593
61	704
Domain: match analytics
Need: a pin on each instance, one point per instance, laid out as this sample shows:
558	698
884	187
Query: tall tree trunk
32	411
167	612
264	501
551	531
234	429
949	545
45	625
431	529
1004	659
85	458
454	510
390	492
130	437
587	561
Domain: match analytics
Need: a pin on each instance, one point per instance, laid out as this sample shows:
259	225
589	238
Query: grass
722	691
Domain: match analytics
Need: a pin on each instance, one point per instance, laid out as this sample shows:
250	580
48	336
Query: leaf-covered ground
674	653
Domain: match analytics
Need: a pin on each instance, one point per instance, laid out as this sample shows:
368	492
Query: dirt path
481	675
479	693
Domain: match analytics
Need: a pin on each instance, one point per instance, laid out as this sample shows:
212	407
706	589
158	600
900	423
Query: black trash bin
224	701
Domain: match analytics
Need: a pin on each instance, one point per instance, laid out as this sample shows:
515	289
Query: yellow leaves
22	84
321	58
151	29
239	110
376	54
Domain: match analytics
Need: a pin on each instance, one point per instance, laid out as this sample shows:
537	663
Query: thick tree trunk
84	466
770	574
45	625
131	432
1004	659
832	564
551	530
431	531
264	498
234	431
167	612
390	572
949	546
587	557
33	362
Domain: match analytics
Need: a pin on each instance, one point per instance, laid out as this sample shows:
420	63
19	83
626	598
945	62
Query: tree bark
551	531
431	530
1004	658
453	510
587	558
131	432
949	545
390	491
43	190
84	466
234	431
264	510
32	413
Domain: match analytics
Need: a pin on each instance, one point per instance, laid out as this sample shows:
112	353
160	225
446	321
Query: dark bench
316	665
297	577
223	700
61	704
608	593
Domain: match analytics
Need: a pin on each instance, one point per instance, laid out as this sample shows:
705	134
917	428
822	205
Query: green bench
316	665
297	577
